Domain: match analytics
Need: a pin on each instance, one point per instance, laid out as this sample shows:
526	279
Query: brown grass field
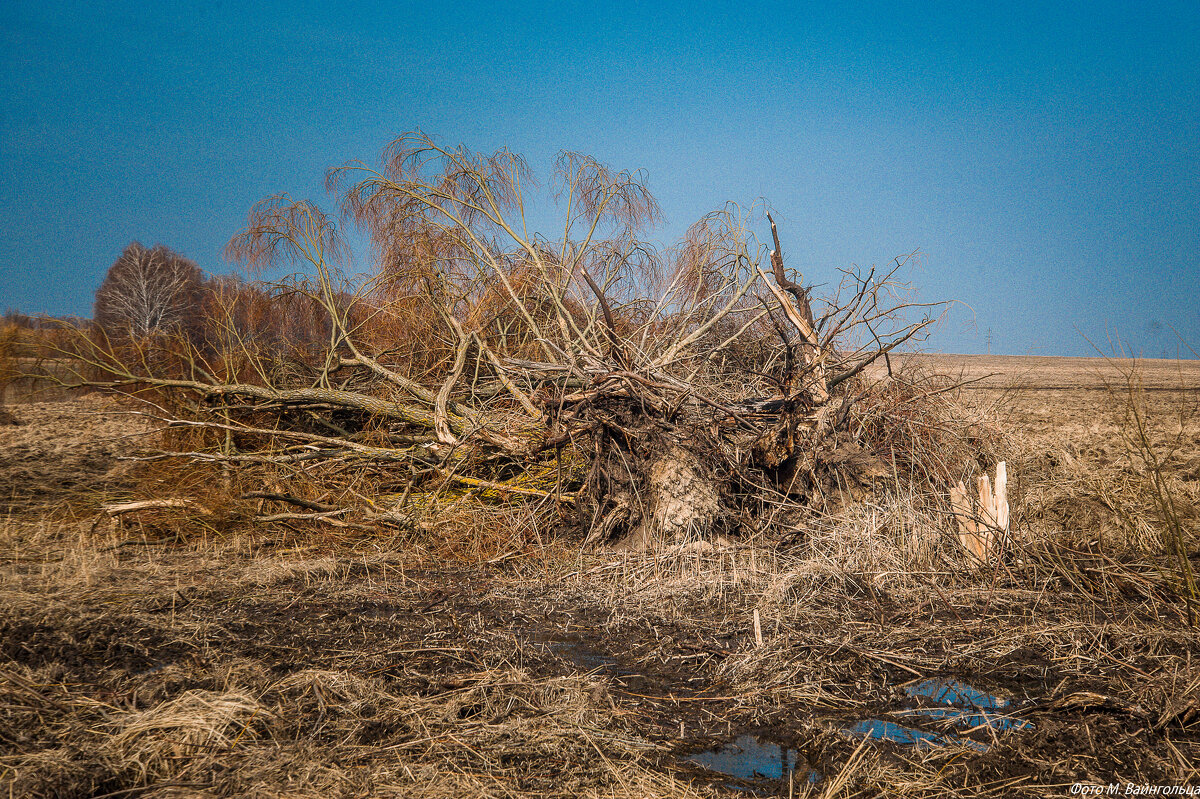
166	656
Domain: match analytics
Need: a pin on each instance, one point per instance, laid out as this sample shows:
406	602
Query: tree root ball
682	502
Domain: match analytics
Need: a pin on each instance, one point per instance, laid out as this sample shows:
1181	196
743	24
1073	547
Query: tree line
157	292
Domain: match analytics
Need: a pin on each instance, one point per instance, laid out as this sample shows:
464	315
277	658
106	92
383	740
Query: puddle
750	758
580	653
965	720
964	706
961	706
585	658
949	691
880	730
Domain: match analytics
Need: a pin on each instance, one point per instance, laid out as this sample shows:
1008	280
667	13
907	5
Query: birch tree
148	290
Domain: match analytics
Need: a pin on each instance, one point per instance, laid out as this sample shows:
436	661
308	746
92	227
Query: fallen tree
644	397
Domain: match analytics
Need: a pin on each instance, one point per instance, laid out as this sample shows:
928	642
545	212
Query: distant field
1048	372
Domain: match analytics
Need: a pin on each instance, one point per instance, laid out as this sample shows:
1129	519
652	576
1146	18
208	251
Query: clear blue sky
1044	157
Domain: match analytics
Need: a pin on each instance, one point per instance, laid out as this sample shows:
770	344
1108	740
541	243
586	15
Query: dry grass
137	662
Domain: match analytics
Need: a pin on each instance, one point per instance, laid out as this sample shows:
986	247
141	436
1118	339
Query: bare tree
148	291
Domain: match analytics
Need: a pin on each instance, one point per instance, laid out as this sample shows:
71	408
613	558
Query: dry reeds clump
893	535
913	437
1080	504
1123	482
97	744
1123	514
929	428
10	344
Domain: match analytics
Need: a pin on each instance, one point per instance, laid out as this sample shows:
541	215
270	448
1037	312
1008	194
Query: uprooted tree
644	396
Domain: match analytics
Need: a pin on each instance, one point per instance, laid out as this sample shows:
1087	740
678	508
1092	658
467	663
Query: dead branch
318	507
122	508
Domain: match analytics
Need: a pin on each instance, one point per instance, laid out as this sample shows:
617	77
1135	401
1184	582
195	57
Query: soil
238	663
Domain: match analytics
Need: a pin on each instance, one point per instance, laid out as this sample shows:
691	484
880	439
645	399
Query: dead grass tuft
194	725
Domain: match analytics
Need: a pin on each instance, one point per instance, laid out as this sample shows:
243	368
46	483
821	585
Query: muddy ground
134	662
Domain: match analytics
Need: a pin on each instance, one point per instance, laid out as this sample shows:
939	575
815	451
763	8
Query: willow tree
647	395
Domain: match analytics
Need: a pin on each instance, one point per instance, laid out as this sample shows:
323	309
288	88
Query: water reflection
965	720
961	706
949	691
880	730
750	758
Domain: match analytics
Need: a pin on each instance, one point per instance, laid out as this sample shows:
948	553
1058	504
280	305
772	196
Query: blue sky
1045	160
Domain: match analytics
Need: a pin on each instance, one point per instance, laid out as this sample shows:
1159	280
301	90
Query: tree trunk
683	502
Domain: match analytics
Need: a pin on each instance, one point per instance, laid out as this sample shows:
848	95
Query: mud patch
375	674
